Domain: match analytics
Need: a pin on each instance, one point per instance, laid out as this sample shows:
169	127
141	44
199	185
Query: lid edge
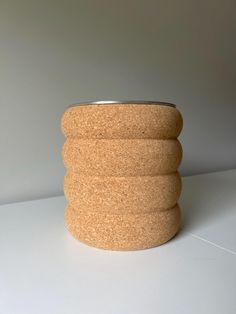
121	102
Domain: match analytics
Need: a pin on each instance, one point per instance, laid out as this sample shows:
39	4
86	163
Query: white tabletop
43	270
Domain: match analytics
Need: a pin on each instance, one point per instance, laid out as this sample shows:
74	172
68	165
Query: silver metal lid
118	102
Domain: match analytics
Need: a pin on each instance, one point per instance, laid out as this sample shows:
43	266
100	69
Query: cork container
122	182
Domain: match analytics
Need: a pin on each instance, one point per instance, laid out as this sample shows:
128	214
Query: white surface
44	270
209	207
56	52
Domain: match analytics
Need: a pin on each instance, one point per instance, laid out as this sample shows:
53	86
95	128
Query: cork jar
122	182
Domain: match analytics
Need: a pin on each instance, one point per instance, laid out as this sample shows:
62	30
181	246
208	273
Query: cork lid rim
122	102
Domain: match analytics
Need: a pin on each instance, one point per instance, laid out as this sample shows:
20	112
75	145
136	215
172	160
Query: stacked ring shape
122	182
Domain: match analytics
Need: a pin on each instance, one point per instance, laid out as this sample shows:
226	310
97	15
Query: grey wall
56	52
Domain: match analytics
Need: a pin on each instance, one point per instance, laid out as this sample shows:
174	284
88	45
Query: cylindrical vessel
122	182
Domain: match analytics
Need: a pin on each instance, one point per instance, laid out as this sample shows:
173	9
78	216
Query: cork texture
126	157
123	232
122	121
122	182
138	194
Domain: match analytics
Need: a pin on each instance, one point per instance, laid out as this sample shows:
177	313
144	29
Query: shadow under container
122	182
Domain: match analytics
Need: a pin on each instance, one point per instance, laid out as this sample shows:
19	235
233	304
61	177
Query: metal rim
121	102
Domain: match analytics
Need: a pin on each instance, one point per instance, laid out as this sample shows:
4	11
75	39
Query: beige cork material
122	182
126	157
138	194
123	232
122	121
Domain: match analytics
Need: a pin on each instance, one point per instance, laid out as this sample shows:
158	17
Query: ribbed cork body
122	182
